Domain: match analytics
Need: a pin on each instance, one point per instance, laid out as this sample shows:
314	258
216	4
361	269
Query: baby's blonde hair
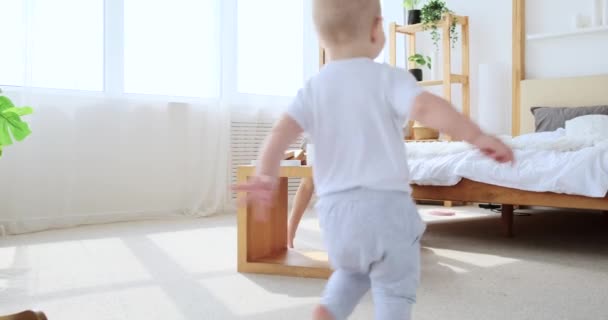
342	21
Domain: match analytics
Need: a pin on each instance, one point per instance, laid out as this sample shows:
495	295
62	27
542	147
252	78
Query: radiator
246	138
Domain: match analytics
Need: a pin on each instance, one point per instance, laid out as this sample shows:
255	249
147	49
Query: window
171	48
67	44
232	49
12	61
63	48
270	46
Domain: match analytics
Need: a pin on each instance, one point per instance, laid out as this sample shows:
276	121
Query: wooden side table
262	245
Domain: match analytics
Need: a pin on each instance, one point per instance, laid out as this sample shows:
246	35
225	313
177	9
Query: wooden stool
25	315
262	245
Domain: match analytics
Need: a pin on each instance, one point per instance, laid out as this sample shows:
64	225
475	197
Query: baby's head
351	27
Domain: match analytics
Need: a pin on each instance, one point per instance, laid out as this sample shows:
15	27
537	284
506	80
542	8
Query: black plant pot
417	73
413	16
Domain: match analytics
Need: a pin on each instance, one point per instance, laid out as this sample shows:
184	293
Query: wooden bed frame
262	245
567	92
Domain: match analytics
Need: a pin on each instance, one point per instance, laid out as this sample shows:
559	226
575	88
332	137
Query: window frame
114	62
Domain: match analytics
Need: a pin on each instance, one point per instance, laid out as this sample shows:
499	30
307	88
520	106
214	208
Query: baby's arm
261	188
282	135
439	114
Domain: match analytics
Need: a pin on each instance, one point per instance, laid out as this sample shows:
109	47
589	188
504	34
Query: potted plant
413	12
432	13
421	62
11	125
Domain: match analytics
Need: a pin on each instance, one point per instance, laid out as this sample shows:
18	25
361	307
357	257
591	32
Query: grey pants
373	242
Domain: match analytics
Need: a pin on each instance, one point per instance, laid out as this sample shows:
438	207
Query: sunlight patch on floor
146	302
474	259
192	249
7	257
453	268
83	264
269	297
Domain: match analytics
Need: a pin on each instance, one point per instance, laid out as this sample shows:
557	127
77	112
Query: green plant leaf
420	60
431	13
20	111
11	125
5	103
411	4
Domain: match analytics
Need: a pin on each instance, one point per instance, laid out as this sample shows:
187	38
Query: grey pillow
553	118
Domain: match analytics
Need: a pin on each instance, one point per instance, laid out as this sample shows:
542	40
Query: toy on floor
442	213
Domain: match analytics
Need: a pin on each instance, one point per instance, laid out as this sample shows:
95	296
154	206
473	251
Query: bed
545	162
528	93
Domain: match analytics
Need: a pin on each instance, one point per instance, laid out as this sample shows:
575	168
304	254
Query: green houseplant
421	62
413	11
431	14
11	124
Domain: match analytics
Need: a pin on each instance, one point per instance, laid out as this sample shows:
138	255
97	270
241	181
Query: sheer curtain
133	101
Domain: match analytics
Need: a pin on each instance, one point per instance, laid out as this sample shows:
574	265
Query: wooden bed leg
507	219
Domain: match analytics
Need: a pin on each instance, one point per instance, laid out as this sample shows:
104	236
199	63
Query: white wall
565	56
490	43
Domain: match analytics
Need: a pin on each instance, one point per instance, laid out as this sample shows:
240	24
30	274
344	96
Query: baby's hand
494	148
260	191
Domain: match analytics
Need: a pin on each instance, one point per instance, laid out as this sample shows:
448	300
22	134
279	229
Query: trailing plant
431	15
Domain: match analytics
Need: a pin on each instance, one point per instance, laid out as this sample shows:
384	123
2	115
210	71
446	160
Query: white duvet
545	162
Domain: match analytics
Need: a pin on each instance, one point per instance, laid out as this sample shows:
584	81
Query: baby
353	110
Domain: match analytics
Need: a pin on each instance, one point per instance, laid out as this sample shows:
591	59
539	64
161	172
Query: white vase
605	12
596	13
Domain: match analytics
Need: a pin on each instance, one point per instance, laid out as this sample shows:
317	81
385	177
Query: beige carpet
556	268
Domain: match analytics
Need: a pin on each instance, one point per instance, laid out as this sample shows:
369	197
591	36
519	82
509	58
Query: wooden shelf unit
449	78
412	29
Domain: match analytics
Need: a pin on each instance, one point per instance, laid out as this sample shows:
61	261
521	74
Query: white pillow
591	126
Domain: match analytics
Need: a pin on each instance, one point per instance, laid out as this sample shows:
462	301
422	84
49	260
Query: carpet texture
555	268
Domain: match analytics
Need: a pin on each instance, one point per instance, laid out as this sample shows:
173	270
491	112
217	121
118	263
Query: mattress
545	162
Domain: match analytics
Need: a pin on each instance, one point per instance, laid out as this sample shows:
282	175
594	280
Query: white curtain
133	101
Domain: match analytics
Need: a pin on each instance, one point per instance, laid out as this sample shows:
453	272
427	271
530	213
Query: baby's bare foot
321	313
